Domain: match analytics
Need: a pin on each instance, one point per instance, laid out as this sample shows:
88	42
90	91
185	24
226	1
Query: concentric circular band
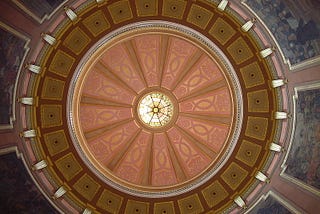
110	171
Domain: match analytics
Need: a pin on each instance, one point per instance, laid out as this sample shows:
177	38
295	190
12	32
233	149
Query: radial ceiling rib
165	43
106	71
116	160
187	67
132	53
100	131
178	169
204	90
87	99
95	116
147	172
218	119
202	147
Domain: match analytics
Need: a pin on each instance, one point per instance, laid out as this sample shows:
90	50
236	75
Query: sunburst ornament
155	109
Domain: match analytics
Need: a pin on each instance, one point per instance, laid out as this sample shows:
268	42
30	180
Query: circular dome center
155	109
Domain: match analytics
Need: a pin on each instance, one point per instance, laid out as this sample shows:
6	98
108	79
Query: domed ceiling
153	119
153	107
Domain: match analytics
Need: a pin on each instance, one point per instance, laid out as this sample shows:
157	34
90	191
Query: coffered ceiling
97	71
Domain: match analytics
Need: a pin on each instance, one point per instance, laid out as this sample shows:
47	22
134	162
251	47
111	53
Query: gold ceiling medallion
155	109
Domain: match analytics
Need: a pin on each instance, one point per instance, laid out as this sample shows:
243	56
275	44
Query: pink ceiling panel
192	160
97	116
120	63
208	132
148	52
179	53
105	147
98	85
215	102
206	72
133	163
163	173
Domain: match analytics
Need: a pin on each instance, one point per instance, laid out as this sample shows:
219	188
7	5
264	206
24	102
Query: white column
26	100
29	133
266	52
49	39
33	68
60	192
70	13
279	82
40	165
262	177
222	5
248	25
240	202
275	147
280	115
87	211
